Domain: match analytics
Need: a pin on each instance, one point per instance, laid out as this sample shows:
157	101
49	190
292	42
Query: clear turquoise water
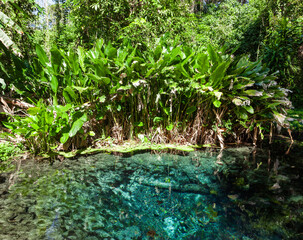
236	194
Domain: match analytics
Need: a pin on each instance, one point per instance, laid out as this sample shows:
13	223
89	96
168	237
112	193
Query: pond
238	193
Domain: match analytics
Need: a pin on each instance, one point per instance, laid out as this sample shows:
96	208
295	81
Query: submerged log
183	188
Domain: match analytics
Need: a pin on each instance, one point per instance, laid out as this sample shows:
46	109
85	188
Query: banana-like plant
165	93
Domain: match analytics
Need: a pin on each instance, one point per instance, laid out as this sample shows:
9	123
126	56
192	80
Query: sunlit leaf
249	109
253	93
170	127
77	125
54	84
217	103
280	118
41	55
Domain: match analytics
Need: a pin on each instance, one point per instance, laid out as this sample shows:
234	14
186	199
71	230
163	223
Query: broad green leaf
273	105
73	62
67	154
170	127
54	84
253	93
81	57
71	93
41	55
56	59
217	103
249	109
191	109
49	118
110	52
99	44
131	57
237	101
157	119
157	52
2	83
123	88
218	94
9	125
202	63
102	99
80	89
33	110
122	54
243	62
242	114
280	118
77	124
99	79
174	53
91	133
64	138
242	84
35	126
140	124
62	109
182	70
166	110
217	76
105	80
213	55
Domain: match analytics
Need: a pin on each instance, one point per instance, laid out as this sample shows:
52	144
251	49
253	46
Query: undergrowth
8	152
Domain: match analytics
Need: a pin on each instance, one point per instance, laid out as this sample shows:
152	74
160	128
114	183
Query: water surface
240	193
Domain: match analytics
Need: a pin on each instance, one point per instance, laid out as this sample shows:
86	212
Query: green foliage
281	50
47	126
151	19
5	39
109	15
151	87
8	151
160	92
296	120
15	17
229	23
282	46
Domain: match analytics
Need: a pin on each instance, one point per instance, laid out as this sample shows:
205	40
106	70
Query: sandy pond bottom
235	194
